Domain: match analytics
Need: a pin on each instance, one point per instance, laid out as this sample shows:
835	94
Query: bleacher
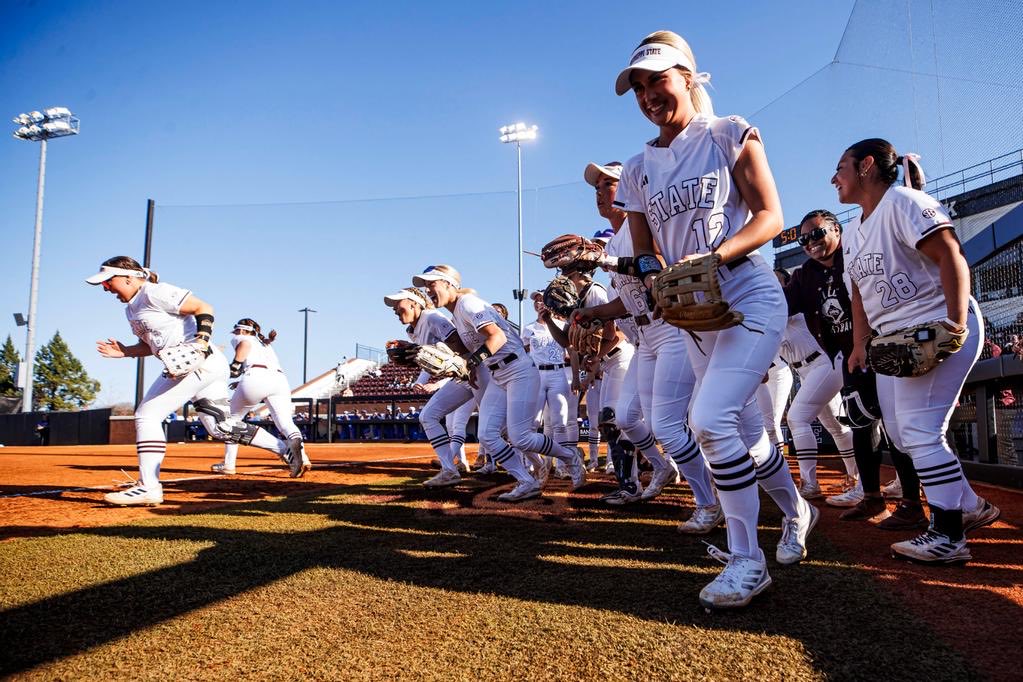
388	380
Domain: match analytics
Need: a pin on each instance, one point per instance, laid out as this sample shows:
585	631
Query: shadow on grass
630	560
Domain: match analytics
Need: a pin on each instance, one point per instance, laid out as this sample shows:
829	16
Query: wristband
646	265
236	369
477	358
204	327
955	326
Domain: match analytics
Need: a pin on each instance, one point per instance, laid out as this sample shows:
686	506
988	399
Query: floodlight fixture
517	133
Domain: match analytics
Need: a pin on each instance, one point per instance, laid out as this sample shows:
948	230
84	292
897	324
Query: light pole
517	132
305	341
39	127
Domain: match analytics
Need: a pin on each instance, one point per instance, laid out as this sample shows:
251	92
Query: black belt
549	367
641	320
809	358
263	367
737	262
613	352
506	360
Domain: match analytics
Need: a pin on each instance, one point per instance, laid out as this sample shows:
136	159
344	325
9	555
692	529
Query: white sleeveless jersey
798	343
154	317
594	294
471	314
542	347
898	284
259	353
431	327
686	189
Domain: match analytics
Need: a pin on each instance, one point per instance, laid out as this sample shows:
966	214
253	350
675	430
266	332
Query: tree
9	359
61	382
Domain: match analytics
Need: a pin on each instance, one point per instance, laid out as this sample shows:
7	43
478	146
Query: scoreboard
786	238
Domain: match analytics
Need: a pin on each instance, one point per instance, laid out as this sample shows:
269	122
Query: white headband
658	57
906	158
245	327
108	271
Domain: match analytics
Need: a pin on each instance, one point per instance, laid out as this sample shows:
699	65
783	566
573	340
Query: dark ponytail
887	161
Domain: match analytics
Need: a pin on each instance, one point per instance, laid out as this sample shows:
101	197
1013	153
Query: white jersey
593	294
431	327
543	348
898	284
154	317
260	354
471	314
686	189
628	288
798	343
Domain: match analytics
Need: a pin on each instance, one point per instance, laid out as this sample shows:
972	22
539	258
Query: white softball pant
818	397
511	398
255	386
666	382
916	412
772	396
448	401
555	396
729	365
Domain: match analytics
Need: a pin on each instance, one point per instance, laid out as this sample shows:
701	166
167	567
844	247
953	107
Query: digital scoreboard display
787	237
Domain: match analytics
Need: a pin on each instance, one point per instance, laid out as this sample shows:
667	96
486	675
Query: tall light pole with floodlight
39	127
517	132
305	341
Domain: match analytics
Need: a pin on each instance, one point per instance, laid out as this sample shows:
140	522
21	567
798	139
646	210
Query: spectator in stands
993	348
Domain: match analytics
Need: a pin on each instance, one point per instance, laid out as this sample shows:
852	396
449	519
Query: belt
263	367
503	362
613	352
642	320
737	262
548	367
809	358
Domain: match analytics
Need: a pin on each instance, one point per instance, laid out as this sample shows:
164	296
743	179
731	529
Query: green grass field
385	580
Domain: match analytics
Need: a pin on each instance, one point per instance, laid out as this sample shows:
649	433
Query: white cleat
742	579
578	473
621	497
850	498
221	468
525	490
445	478
660	478
136	496
984	514
892	489
792	546
932	547
609	468
704	519
490	467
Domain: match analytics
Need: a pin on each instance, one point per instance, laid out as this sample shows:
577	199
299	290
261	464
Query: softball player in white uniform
907	268
704	185
514	381
258	376
452	401
549	358
817	398
660	377
163	315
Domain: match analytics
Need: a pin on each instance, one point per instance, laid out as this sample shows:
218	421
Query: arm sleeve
730	134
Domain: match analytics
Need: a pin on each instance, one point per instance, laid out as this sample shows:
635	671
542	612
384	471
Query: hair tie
906	158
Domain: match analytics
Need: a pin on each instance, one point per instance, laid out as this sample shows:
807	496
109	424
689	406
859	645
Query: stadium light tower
39	127
517	132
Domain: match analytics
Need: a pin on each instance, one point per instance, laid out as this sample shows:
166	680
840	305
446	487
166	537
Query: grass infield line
331	465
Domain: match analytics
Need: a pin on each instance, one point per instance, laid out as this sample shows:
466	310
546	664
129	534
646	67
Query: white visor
655	57
432	274
108	271
411	295
594	172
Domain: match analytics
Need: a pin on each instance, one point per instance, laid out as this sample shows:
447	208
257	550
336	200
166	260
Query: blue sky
274	138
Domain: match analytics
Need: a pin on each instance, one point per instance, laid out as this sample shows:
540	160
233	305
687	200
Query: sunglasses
811	236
